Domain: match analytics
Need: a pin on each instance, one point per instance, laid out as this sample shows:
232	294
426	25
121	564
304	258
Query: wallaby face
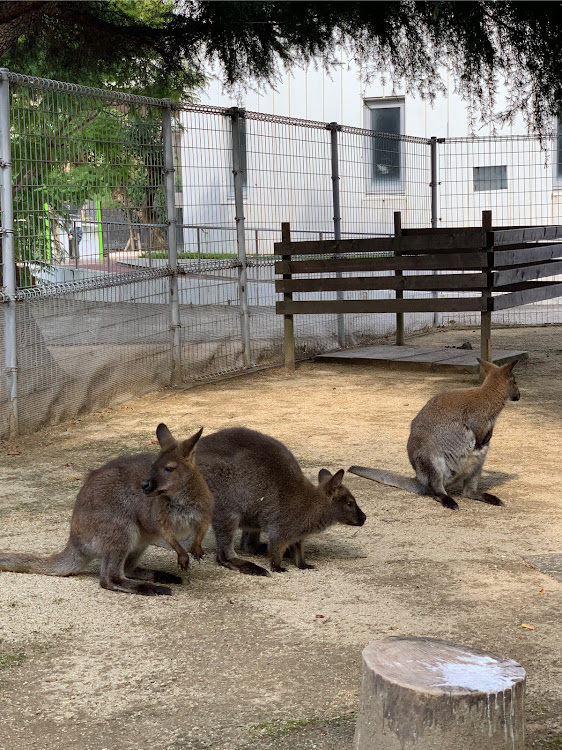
173	468
345	508
124	506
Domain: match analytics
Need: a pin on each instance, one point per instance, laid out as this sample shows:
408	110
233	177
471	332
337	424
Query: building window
387	154
489	178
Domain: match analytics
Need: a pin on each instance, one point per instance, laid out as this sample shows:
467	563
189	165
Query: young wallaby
450	437
258	485
123	507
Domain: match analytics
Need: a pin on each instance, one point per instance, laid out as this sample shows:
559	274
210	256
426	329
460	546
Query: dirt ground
233	662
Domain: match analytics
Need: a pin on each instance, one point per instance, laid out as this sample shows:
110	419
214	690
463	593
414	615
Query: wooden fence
507	267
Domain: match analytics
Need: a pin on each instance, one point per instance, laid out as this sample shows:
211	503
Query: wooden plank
408	244
527	273
486	314
532	292
325	307
423	358
431	231
527	254
442	282
398	278
457	261
288	323
526	234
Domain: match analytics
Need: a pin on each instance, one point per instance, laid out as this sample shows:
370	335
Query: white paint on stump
476	673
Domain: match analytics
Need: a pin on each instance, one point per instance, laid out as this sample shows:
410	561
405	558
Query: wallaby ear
337	479
324	475
487	366
188	446
507	368
332	483
165	437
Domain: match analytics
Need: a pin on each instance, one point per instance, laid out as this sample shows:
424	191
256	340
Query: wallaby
123	507
450	437
258	485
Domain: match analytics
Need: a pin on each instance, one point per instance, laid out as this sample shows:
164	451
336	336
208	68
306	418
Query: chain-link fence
137	234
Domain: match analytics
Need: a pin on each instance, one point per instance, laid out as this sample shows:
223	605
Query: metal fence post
169	186
333	127
434	184
236	114
8	256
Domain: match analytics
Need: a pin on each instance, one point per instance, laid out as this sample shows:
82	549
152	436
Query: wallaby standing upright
450	437
258	484
124	506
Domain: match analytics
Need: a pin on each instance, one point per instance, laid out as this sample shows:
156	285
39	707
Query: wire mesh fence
87	175
519	179
103	305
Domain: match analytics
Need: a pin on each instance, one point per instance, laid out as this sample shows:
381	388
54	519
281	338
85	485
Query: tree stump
428	694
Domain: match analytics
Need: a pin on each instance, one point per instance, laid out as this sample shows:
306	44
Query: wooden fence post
399	292
288	323
486	313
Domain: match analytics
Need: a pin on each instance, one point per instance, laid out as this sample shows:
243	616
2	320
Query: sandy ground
232	662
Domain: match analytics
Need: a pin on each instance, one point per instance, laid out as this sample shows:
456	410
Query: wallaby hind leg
470	488
112	577
298	556
277	549
226	556
146	574
250	543
429	475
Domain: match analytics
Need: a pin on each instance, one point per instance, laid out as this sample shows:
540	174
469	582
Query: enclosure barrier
502	267
138	234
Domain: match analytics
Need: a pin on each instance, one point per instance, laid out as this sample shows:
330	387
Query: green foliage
163	45
118	44
70	150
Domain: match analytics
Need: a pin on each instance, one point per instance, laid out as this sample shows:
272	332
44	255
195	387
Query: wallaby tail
64	563
410	484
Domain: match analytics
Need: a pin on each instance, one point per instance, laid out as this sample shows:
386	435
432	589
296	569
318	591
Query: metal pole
8	256
236	114
434	218
175	325
333	127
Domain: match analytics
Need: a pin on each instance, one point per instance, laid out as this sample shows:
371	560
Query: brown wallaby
123	507
258	485
450	437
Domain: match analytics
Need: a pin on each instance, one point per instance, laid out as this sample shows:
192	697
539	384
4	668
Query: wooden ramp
420	358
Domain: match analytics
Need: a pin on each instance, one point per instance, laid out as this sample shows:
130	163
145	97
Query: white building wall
288	167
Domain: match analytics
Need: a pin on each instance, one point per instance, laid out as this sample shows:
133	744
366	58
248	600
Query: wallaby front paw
278	568
197	551
183	561
306	566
